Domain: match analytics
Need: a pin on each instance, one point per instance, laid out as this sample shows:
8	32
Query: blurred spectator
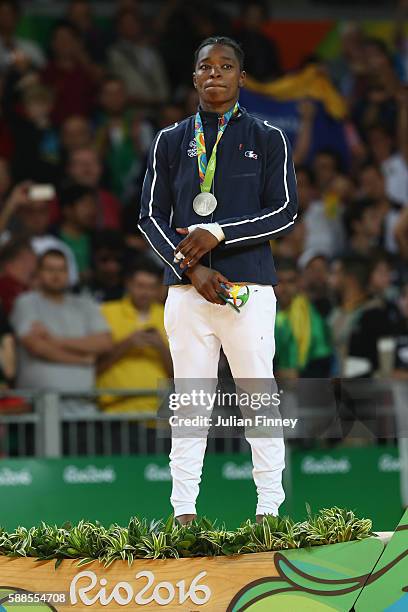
392	163
18	264
5	179
12	48
94	39
326	167
76	133
141	133
377	104
11	200
85	168
380	286
314	281
401	236
140	356
78	204
402	125
380	275
169	114
122	137
373	187
36	140
71	74
380	66
348	68
7	351
291	245
285	363
188	23
307	112
321	217
8	404
363	222
308	328
358	321
137	63
6	137
130	5
107	282
261	53
23	214
113	136
401	38
191	102
59	334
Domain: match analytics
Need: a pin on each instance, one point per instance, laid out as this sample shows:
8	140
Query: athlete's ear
194	80
242	78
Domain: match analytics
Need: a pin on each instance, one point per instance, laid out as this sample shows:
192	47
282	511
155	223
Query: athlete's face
218	76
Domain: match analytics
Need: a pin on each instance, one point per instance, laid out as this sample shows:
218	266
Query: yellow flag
311	82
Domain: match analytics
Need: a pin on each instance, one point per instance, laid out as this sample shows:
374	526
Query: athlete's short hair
227	42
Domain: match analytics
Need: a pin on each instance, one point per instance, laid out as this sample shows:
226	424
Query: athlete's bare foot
184	519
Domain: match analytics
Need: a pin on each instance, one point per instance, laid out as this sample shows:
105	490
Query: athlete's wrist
190	272
214	229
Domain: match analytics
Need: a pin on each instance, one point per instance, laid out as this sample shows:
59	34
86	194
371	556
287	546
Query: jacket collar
210	115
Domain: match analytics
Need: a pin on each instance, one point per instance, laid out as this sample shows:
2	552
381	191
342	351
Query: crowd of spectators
80	290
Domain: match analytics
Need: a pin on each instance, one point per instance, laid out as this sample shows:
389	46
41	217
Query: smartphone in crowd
40	193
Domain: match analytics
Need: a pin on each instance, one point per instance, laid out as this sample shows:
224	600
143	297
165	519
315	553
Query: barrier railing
72	423
67	423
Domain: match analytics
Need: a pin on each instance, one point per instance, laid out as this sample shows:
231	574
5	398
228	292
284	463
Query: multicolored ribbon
206	170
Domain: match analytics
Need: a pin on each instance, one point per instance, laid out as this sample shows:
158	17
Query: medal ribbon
206	170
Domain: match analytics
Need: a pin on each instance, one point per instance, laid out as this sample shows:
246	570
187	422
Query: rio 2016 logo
123	593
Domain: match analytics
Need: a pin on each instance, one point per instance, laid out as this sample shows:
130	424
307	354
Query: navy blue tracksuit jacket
254	184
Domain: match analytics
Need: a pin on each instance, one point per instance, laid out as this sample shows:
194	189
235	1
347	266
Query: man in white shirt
59	334
136	63
393	164
12	49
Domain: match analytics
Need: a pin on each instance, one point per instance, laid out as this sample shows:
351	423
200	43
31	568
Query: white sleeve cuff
213	228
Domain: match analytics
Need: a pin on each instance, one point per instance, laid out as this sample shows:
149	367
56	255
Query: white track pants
197	329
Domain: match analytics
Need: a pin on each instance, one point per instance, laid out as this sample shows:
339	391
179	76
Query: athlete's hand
195	245
208	283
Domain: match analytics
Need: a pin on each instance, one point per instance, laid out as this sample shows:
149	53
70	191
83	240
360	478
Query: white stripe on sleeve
154	184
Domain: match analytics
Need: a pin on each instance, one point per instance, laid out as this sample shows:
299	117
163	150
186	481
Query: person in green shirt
78	206
122	136
302	337
286	355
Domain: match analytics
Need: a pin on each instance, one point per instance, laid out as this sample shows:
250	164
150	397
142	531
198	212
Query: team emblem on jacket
192	151
251	154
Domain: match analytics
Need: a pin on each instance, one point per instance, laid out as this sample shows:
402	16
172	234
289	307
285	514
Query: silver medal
204	204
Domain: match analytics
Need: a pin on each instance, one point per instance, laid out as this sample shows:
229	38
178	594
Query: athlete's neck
220	109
